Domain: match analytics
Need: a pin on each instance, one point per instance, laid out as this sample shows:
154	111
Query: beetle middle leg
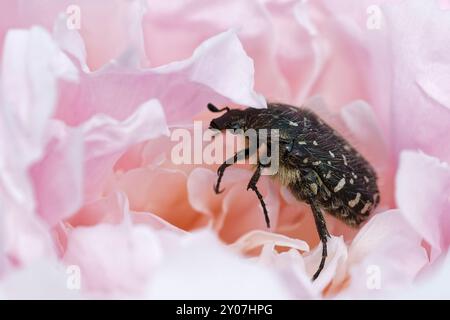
252	185
240	155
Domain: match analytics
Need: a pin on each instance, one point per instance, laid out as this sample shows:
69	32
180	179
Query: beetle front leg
243	154
252	185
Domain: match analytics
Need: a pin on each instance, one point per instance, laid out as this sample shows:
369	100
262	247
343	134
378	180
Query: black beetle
316	163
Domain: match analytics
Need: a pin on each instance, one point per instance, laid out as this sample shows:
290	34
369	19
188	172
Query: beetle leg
323	234
252	185
313	182
243	154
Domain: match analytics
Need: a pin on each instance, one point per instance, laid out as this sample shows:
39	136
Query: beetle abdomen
339	179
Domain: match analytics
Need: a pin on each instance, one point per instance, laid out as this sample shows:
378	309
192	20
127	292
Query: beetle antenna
213	108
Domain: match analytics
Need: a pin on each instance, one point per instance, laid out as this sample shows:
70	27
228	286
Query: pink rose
92	204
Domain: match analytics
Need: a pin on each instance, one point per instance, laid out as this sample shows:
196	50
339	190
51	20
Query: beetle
316	163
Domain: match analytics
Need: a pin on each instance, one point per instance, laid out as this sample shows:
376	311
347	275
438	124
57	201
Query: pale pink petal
241	210
193	22
106	139
43	279
25	239
444	4
57	177
290	267
232	277
109	209
422	194
201	193
281	38
120	27
31	67
236	211
219	71
300	54
115	260
204	65
337	256
417	85
143	188
386	253
70	41
155	222
433	286
257	238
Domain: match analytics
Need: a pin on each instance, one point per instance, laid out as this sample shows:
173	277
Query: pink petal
419	92
25	239
290	267
387	247
43	279
57	177
337	256
280	38
241	209
203	66
256	238
430	287
155	222
115	260
423	186
184	88
31	66
106	139
109	209
143	188
120	28
209	271
200	191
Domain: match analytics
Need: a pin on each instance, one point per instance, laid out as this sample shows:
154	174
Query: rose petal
423	188
115	260
57	177
241	209
31	66
43	279
109	209
184	88
143	188
337	255
120	28
233	276
107	138
290	266
256	238
386	253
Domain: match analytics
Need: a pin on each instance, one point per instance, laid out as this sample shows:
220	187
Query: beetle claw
217	191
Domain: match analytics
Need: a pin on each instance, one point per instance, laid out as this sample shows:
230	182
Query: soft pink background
86	177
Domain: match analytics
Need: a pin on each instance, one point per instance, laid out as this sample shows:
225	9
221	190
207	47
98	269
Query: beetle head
231	119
